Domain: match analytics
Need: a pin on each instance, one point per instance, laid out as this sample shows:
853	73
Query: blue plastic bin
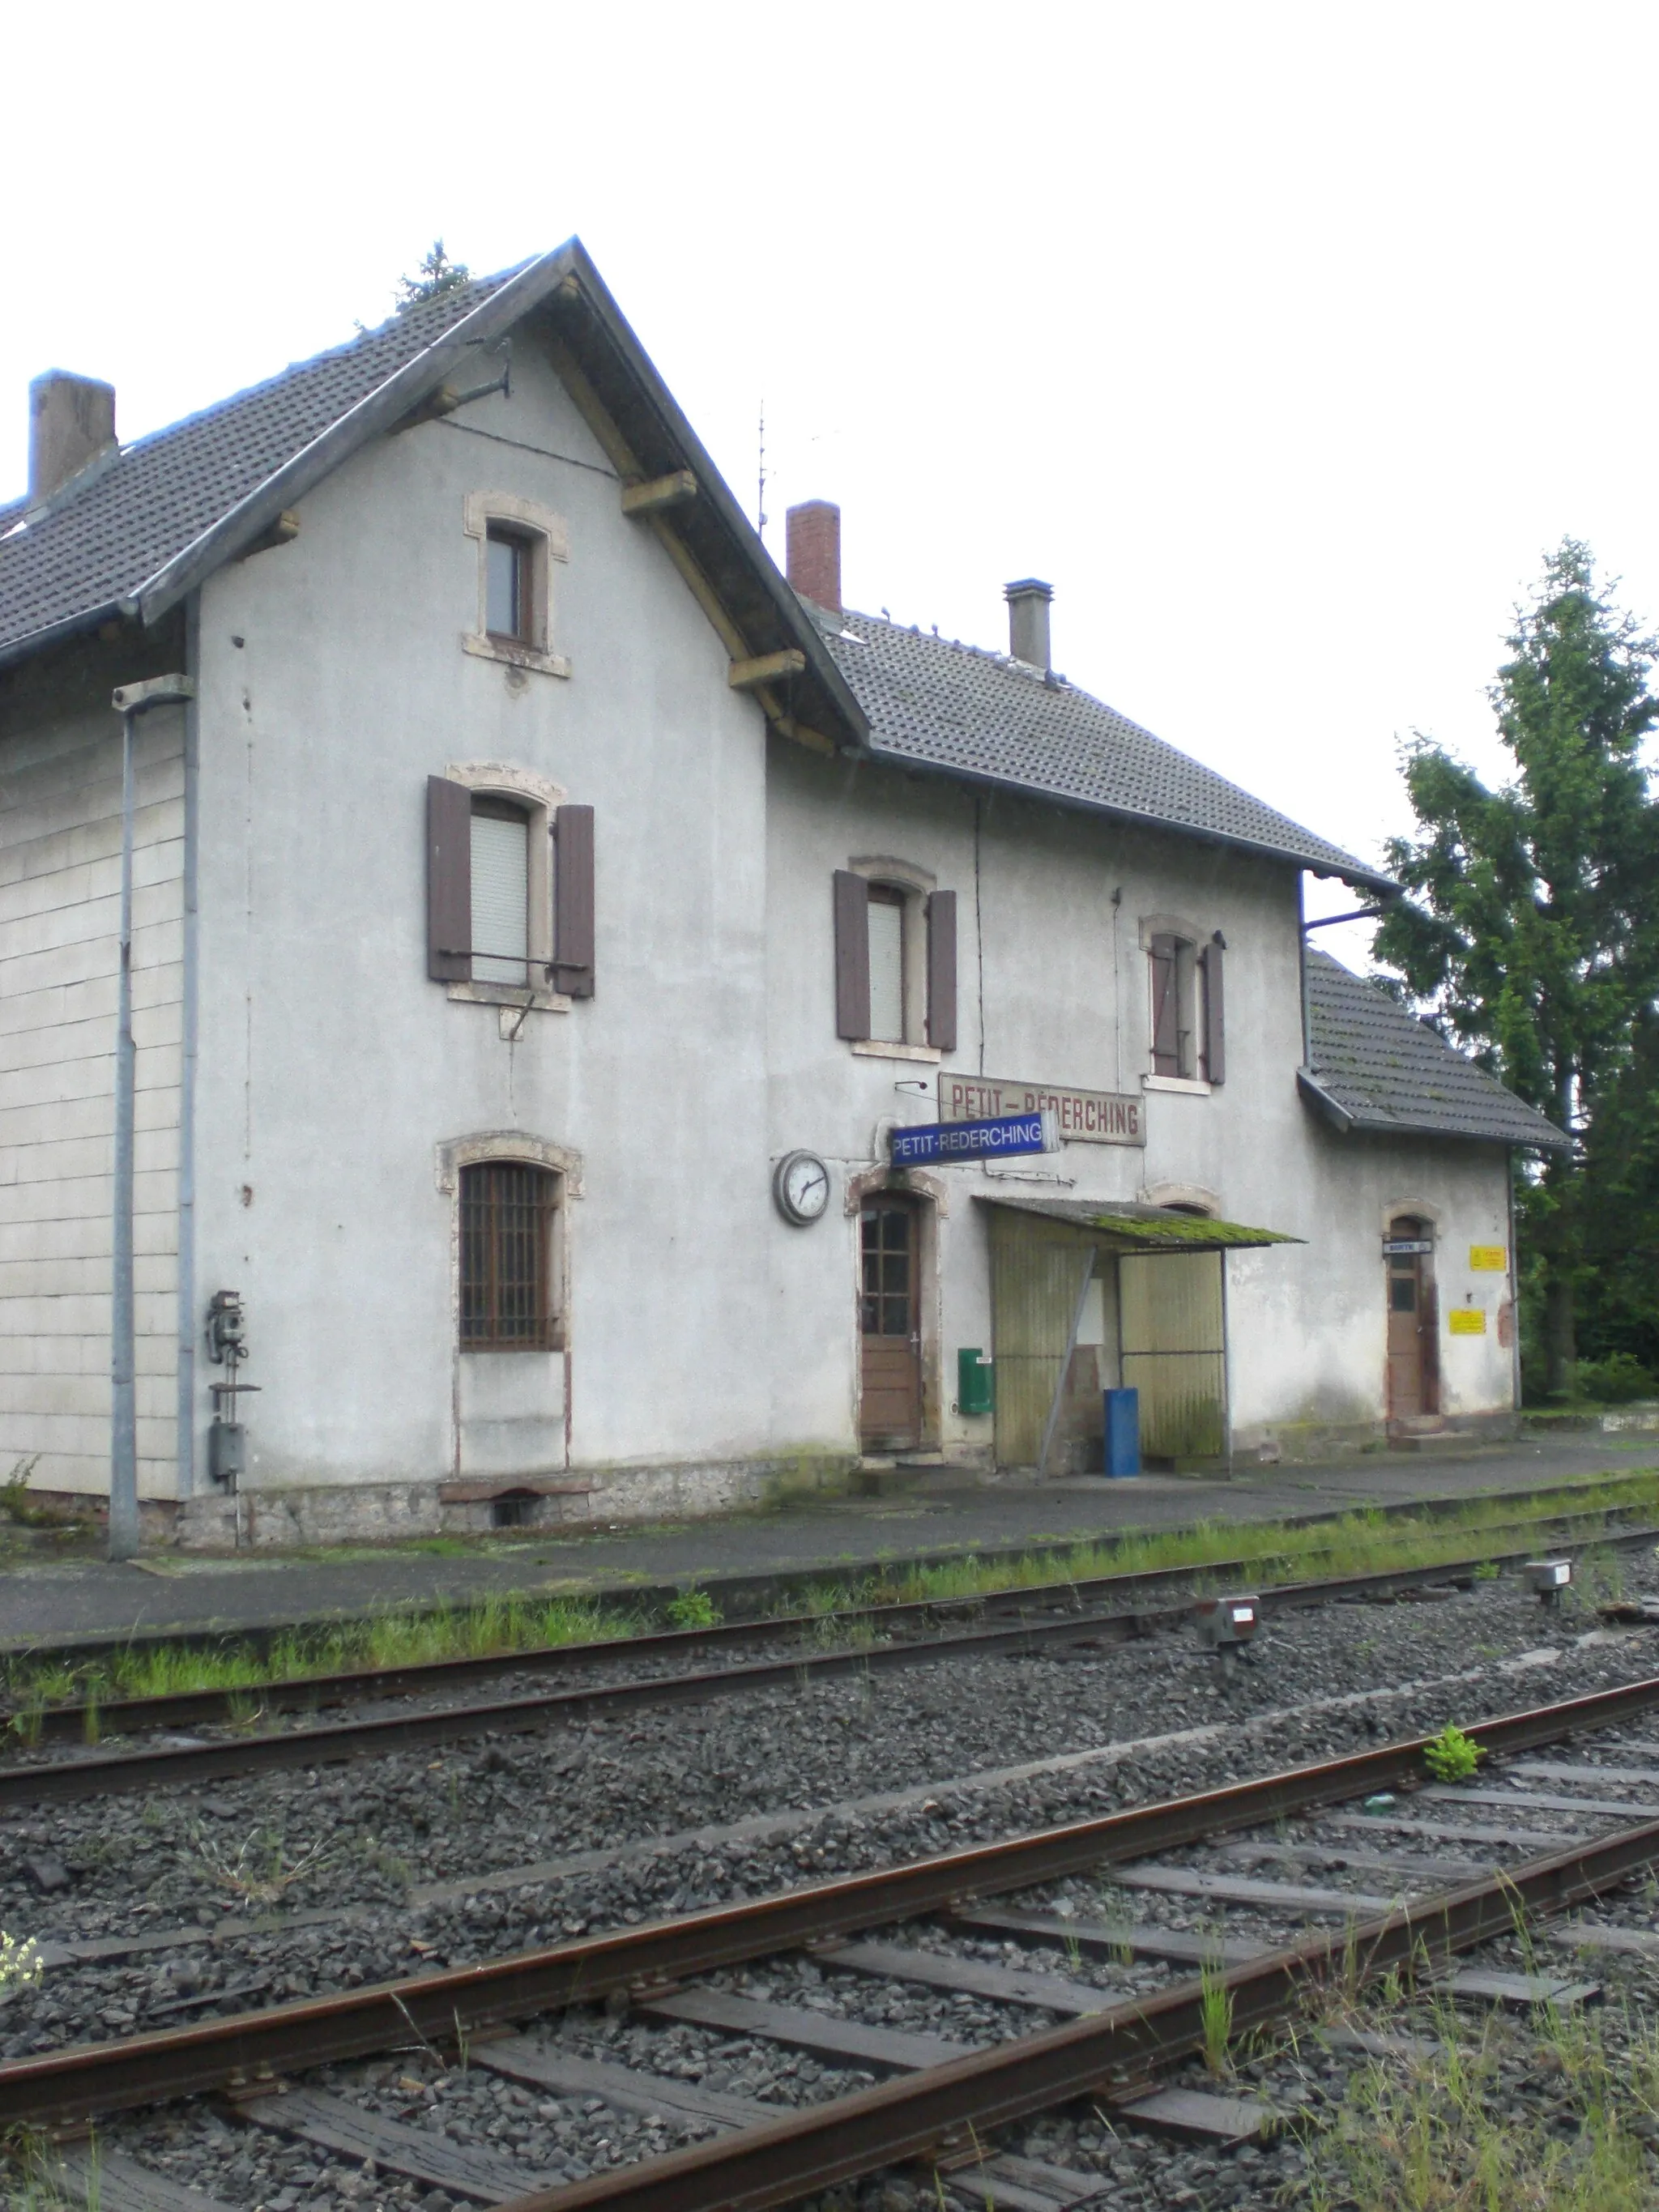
1122	1432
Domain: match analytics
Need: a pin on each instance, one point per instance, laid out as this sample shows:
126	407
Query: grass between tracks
1269	1551
1555	2116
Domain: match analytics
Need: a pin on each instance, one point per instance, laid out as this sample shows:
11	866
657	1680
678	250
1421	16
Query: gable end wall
60	847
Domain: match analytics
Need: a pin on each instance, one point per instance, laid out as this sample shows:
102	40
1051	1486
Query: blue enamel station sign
947	1141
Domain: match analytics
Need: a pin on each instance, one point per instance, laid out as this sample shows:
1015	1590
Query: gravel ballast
306	1882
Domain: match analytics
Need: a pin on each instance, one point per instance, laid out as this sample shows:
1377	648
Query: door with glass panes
890	1320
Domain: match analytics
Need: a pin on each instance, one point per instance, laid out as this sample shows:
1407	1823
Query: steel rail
261	1639
68	1781
79	2081
183	1709
915	2114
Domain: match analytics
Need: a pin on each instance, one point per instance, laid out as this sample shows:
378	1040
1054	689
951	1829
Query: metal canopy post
1066	1364
1227	1368
130	701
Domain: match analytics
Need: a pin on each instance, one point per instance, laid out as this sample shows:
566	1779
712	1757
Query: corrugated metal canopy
1122	1227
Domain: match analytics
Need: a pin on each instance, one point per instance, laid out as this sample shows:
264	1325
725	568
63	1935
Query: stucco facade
704	1350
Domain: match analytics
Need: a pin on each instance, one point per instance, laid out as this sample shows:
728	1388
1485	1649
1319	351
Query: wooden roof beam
766	668
660	494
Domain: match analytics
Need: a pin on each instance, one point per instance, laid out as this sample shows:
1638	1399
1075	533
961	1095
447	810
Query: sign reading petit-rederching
1083	1117
1006	1138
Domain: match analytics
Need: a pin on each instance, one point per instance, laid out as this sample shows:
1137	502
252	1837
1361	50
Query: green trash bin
976	1381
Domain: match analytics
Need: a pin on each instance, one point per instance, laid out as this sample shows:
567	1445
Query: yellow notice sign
1489	1259
1466	1321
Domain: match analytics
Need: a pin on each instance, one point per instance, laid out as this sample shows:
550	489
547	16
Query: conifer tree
1531	934
436	273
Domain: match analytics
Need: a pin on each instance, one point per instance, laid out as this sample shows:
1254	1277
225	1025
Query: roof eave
376	412
1328	1108
58	633
1138	1230
1344	1120
1360	878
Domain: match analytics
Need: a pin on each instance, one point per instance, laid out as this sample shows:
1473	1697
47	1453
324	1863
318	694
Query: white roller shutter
500	900
886	971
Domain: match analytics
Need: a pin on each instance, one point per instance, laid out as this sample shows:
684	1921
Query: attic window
509	564
520	544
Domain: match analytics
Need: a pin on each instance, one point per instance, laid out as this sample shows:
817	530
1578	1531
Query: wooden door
889	1315
1410	1313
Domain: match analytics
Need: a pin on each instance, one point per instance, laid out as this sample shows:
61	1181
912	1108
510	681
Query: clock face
801	1188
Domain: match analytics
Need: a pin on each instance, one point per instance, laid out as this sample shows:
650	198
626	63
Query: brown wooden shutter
942	971
573	902
448	881
1166	1006
1215	1012
852	954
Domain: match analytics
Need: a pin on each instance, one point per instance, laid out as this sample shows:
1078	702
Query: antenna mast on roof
760	491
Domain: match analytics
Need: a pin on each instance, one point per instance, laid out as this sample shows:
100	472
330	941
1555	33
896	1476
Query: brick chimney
71	422
813	557
1028	621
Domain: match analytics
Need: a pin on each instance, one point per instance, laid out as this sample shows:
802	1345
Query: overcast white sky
1282	339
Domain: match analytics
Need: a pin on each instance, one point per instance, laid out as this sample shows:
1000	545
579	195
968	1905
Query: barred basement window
507	1257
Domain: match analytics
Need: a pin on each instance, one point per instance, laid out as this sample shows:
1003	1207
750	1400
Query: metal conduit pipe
190	967
129	701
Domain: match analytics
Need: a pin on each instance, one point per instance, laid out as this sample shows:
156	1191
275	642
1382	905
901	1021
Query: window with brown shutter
852	898
1165	957
507	1257
896	961
942	971
510	891
1187	1012
573	902
1215	1040
448	881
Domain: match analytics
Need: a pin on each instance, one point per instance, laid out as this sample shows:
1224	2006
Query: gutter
74	625
190	991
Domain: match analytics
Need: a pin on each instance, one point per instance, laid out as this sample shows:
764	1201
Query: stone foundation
1295	1444
309	1514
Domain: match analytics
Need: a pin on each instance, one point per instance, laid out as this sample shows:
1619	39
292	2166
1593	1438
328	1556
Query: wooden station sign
1082	1117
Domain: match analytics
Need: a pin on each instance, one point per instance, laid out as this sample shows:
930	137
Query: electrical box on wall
227	1344
976	1381
227	1451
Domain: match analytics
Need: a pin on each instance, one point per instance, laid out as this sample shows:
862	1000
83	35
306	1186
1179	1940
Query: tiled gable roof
135	531
936	703
106	535
1374	1066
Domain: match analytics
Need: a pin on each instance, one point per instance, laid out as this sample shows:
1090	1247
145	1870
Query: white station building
545	912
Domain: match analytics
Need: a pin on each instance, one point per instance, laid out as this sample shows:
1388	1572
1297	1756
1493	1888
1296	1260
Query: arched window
509	1210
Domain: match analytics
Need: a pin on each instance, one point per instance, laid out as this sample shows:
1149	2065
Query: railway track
79	1722
878	1640
1086	1926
